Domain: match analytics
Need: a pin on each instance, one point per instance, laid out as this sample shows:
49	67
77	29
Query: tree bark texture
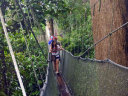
51	27
108	15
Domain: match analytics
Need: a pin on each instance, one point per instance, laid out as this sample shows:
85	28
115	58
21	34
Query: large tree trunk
107	15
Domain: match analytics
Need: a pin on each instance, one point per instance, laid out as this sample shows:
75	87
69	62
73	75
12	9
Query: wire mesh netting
87	77
50	86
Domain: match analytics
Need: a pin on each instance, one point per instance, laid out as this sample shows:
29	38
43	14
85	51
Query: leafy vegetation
25	65
76	26
28	55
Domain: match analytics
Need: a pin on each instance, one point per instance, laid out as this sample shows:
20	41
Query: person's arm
50	49
61	48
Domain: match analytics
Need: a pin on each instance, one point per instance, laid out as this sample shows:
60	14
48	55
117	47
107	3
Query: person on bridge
50	40
55	50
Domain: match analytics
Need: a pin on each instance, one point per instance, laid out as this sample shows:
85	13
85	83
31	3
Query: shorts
54	57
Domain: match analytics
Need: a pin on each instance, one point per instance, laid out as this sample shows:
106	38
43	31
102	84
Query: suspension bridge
81	76
86	77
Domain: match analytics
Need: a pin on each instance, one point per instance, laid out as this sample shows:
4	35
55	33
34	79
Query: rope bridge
86	77
54	84
81	77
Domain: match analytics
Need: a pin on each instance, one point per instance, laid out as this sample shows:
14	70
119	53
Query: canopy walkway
86	77
80	76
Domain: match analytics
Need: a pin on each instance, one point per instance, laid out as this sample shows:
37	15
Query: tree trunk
108	15
51	28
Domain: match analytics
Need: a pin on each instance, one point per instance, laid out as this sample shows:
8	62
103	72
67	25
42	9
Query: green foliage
2	93
72	16
18	37
76	26
25	64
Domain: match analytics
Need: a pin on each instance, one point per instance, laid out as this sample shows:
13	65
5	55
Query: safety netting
50	87
86	77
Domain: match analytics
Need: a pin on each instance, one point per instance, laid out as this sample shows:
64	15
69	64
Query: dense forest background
25	20
76	27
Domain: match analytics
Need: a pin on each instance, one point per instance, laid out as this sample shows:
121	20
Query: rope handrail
110	33
43	89
28	51
12	54
92	71
89	70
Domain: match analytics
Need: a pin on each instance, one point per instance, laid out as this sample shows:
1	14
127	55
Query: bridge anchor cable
12	54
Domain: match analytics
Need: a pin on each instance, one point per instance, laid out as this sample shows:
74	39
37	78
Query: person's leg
57	65
53	62
54	65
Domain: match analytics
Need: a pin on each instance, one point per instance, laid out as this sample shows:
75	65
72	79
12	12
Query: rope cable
30	13
110	42
17	2
123	25
28	51
12	54
93	6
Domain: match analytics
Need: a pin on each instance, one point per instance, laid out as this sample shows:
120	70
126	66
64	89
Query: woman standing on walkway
55	50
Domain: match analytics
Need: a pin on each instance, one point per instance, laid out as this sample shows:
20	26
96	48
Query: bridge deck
63	89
